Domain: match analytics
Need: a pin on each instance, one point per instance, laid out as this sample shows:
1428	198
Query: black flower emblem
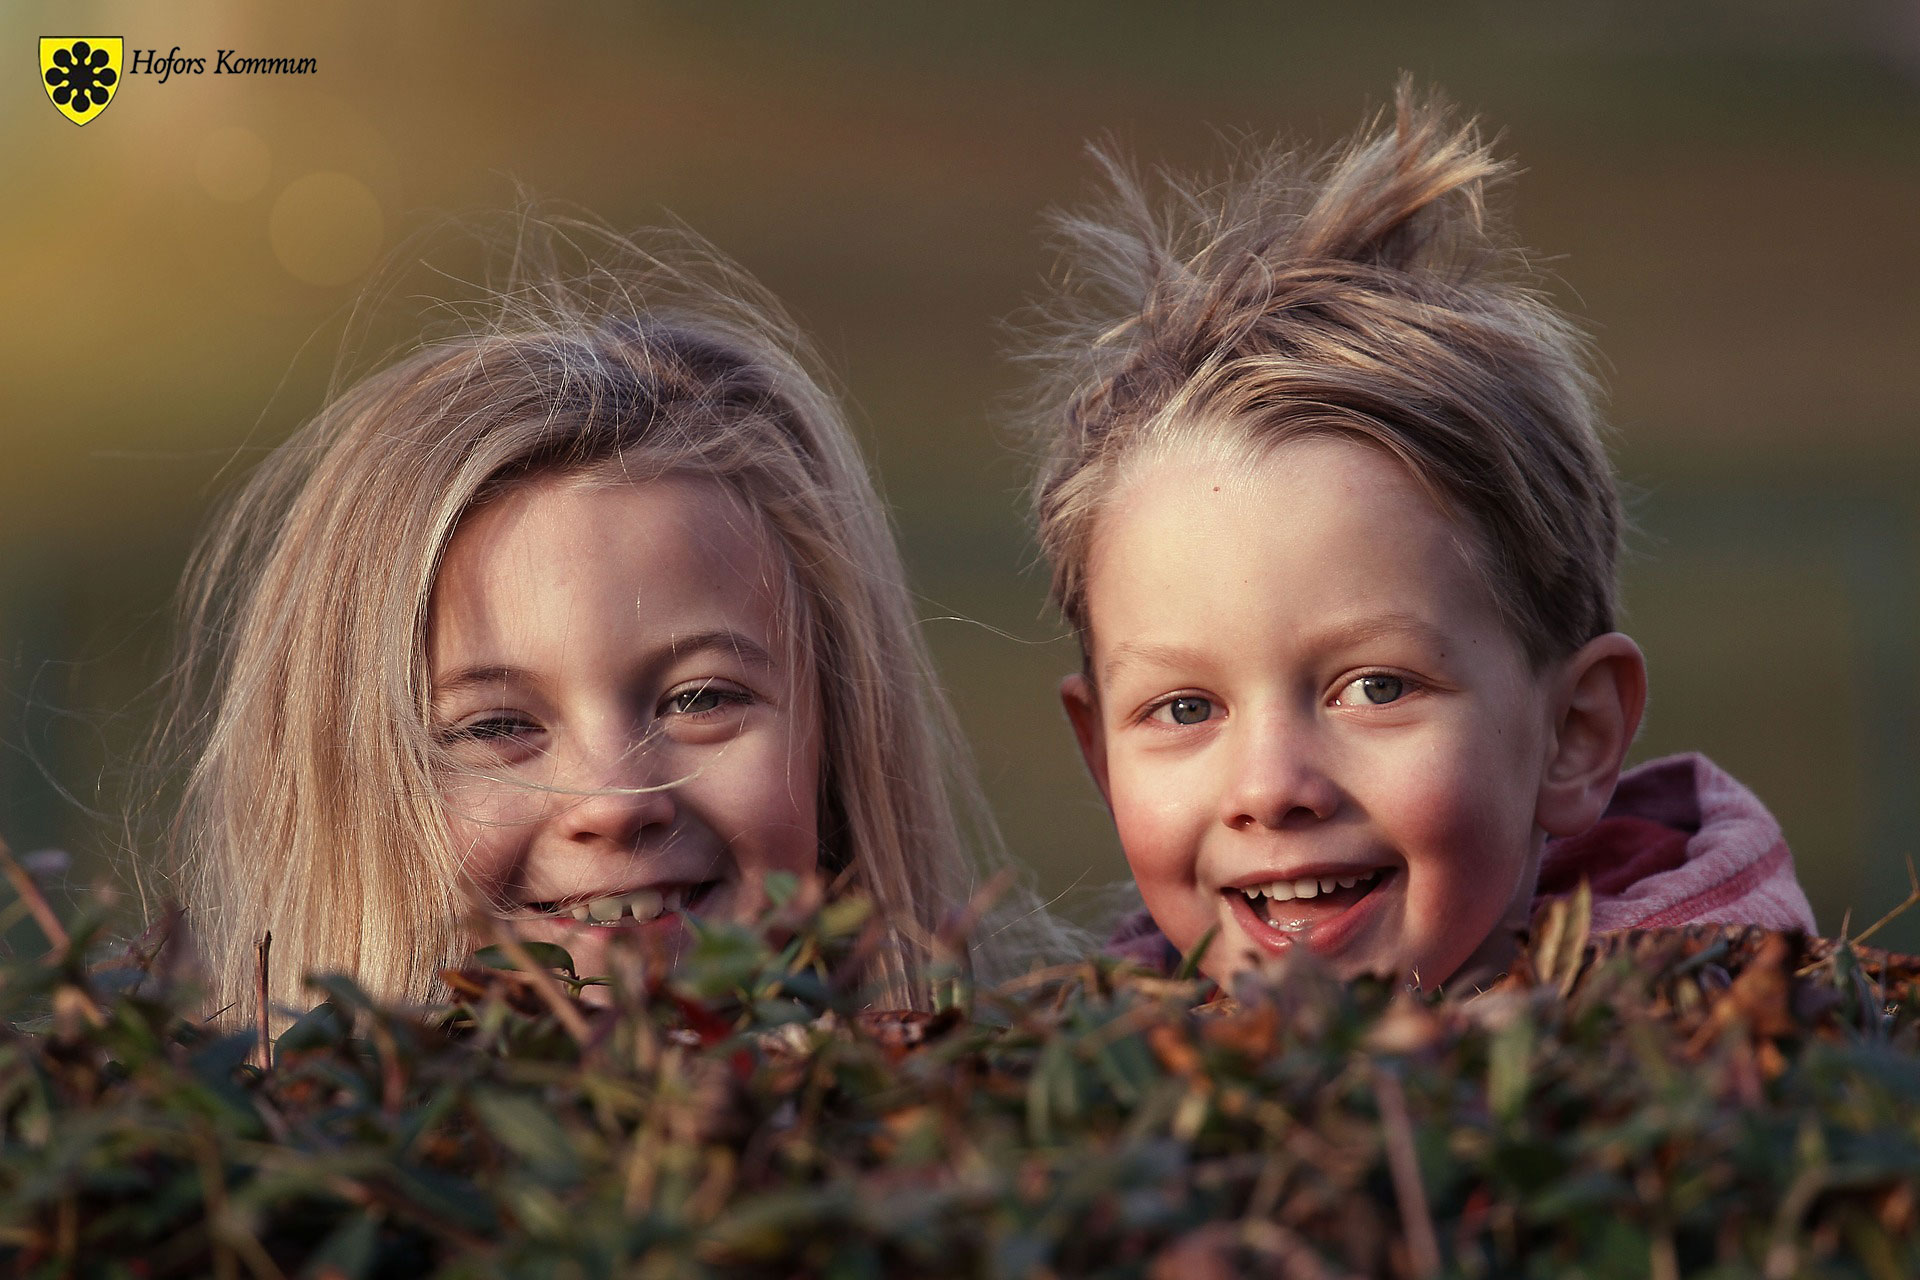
80	75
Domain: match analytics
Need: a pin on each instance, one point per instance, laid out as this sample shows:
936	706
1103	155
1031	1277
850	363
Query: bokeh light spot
325	228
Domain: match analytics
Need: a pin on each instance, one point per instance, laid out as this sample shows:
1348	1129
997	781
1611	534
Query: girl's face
611	680
1307	715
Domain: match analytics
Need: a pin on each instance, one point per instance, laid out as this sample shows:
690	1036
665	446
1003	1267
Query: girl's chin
591	945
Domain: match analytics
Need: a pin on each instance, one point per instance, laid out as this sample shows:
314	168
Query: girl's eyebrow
740	646
475	677
723	640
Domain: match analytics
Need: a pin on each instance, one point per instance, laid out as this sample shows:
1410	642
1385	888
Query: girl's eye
1373	690
1187	710
488	729
703	699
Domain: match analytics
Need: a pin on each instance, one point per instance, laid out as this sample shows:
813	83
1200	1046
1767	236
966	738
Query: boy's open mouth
1297	906
638	906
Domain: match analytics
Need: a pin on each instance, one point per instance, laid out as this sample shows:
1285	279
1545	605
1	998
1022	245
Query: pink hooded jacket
1681	842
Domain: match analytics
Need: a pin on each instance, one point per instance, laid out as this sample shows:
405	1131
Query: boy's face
1307	716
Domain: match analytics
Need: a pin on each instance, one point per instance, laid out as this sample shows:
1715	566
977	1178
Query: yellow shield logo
80	73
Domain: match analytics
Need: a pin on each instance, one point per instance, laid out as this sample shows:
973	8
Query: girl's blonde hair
1363	294
311	807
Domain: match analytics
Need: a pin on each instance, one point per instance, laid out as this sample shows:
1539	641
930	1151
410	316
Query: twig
1404	1166
543	983
263	1048
36	901
1039	978
213	1192
1912	899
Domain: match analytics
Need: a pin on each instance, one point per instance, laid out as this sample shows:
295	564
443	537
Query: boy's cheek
1159	836
1466	856
1158	816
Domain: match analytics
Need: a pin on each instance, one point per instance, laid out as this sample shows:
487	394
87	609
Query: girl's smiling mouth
1324	911
614	910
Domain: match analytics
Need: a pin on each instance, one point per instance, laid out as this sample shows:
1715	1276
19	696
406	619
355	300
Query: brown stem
36	901
1404	1166
263	1050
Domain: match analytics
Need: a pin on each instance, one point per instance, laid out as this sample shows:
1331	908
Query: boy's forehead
1316	489
1318	535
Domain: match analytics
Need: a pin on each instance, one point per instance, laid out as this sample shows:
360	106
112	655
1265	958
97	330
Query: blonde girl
589	612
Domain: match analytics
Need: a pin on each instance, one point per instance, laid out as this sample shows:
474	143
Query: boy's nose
620	794
1277	780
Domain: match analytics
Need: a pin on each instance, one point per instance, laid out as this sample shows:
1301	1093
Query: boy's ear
1602	691
1077	695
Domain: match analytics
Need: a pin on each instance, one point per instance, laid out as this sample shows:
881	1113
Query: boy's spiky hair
1364	293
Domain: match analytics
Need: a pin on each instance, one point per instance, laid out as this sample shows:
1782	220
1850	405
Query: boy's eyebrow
1340	635
1373	626
1143	653
496	673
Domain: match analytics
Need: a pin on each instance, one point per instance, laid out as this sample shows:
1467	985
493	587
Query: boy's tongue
1303	913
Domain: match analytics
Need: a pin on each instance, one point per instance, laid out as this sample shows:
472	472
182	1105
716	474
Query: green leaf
529	1131
1190	963
349	1250
780	887
548	955
321	1027
1510	1068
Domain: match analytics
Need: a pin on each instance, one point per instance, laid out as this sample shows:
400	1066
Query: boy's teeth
1311	887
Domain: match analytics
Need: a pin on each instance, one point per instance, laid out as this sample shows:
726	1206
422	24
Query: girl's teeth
641	904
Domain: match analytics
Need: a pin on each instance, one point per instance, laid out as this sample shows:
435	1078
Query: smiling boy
1328	509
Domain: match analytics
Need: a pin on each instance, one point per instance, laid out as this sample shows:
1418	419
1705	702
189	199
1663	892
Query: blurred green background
1727	194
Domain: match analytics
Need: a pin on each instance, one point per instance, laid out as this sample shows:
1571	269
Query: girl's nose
621	797
1278	779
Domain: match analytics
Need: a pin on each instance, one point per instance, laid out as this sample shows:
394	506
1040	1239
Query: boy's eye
1374	690
1188	710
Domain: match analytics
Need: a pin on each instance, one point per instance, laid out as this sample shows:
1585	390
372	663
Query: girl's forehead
557	562
567	519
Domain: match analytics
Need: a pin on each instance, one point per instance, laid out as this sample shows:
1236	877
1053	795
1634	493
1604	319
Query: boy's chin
1486	966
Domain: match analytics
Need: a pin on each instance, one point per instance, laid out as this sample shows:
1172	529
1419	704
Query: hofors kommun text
225	62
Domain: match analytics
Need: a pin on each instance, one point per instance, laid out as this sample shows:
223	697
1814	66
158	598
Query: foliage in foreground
1698	1101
